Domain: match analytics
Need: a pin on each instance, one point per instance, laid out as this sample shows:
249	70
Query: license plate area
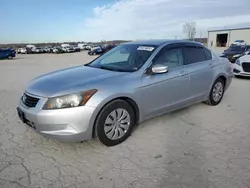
23	118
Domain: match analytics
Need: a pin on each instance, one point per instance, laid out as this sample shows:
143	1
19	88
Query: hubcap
117	124
217	91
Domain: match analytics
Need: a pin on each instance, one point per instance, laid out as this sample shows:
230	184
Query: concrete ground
197	147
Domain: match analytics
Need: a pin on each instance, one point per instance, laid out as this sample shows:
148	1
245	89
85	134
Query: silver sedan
131	83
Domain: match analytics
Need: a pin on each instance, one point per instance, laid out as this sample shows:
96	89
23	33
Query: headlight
237	62
68	101
237	55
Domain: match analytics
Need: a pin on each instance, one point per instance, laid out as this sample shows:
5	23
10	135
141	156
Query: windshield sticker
146	48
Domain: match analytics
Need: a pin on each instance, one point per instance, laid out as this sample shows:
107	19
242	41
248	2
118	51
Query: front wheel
216	93
115	122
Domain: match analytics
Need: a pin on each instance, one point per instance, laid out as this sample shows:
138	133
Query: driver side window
170	57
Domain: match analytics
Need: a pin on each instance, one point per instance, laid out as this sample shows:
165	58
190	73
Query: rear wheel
216	93
10	57
115	123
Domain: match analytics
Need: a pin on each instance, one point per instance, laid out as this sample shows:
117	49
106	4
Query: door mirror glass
159	69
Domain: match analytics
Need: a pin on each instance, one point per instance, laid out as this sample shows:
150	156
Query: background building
221	38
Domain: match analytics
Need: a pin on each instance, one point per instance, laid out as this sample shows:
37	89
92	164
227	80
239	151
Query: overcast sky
79	20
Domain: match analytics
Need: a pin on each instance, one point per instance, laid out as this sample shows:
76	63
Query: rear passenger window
194	55
208	54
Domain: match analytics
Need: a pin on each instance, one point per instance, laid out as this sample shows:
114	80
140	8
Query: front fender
105	101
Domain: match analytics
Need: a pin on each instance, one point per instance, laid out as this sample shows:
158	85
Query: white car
241	67
68	49
239	43
21	51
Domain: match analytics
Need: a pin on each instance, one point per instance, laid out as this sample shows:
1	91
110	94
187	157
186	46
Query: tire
10	57
111	132
237	76
214	99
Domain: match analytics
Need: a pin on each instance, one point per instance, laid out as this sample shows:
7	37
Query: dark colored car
234	52
7	53
57	50
96	50
101	49
29	51
76	49
106	48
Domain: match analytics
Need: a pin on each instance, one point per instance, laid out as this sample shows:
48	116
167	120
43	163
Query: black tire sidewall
212	101
102	117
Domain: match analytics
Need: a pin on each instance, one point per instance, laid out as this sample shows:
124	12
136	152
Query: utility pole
200	35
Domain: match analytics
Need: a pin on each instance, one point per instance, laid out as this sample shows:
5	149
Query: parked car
239	43
76	48
82	46
57	50
95	50
38	50
68	49
29	51
234	52
241	67
31	46
7	53
132	82
88	47
21	51
107	47
47	49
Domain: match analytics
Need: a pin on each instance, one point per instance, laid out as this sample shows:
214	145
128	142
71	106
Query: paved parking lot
197	147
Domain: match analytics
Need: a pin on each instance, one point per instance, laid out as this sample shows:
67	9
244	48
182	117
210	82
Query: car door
2	54
165	91
199	66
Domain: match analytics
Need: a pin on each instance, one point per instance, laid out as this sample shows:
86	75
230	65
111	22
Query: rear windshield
236	48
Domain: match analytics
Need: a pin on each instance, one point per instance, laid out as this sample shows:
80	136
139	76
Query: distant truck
65	45
82	46
31	46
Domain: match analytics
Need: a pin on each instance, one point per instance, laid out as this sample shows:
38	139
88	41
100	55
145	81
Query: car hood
245	59
231	52
58	82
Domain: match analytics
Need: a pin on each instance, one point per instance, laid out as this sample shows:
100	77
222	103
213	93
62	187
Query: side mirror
159	69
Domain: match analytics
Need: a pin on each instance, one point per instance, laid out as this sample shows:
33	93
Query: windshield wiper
87	65
110	68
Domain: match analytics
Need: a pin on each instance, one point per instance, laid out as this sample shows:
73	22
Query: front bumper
66	125
238	71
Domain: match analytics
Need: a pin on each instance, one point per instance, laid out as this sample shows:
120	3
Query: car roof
159	42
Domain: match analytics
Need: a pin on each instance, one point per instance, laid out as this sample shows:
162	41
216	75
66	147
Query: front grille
29	101
246	67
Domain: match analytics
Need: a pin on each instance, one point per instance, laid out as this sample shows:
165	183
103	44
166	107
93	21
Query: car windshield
124	58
